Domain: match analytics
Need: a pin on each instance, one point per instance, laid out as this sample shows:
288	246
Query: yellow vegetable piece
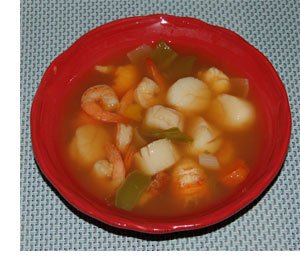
134	112
126	77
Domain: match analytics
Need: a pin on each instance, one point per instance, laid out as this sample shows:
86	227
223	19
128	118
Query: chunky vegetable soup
160	133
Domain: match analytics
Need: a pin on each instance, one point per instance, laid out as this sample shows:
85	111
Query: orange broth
246	145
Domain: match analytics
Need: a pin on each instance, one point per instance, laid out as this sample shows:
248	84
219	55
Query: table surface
49	223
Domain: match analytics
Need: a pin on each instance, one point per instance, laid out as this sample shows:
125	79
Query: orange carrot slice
235	174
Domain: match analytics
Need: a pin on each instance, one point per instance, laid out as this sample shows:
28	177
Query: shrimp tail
113	118
114	157
129	156
95	111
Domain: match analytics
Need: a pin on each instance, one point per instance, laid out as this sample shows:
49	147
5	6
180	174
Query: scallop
156	156
189	95
233	113
206	138
161	117
87	144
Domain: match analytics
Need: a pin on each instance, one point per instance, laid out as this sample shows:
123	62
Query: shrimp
189	183
110	172
103	168
146	93
82	118
126	100
99	101
156	75
216	79
128	157
115	158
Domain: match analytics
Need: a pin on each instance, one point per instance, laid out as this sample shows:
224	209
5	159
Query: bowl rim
158	227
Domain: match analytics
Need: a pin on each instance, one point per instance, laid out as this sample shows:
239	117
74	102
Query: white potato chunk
206	138
160	117
189	95
217	80
87	145
102	168
156	156
146	93
123	137
233	113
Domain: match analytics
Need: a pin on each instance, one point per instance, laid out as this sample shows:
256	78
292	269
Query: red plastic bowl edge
210	219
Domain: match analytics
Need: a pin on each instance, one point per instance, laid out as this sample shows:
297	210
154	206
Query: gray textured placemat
49	27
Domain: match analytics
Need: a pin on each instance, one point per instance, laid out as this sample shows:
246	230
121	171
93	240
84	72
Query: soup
160	132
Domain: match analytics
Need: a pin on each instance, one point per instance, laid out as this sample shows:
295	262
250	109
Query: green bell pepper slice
130	192
174	65
181	67
163	56
172	134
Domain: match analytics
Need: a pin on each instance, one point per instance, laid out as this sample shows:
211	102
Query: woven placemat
49	223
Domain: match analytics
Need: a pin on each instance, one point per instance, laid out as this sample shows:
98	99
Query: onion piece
240	87
137	55
209	161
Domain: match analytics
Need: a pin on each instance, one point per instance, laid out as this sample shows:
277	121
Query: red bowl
118	37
